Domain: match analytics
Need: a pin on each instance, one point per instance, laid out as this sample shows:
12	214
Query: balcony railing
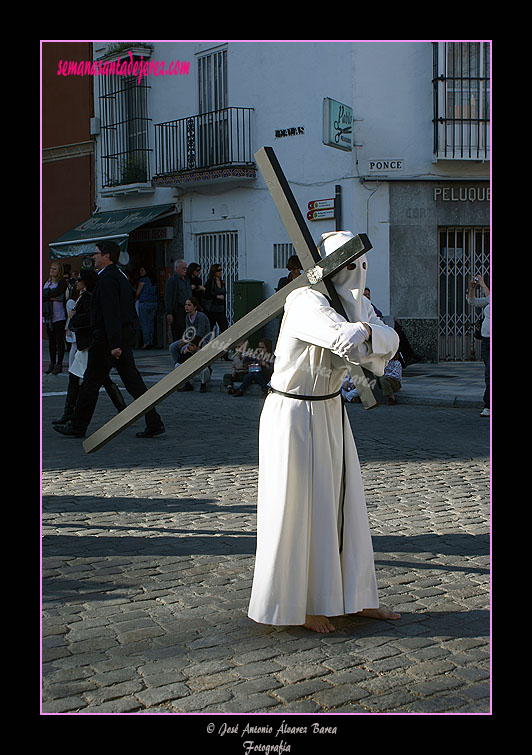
211	140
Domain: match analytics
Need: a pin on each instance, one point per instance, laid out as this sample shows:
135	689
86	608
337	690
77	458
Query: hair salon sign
462	194
337	124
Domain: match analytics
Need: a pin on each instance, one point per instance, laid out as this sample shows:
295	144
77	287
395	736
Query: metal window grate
212	81
281	253
464	252
219	249
125	152
461	82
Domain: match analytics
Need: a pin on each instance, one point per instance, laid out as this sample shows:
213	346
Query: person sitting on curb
349	391
260	369
239	367
197	329
390	382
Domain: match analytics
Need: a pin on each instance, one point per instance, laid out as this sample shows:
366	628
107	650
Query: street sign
320	209
321	204
320	214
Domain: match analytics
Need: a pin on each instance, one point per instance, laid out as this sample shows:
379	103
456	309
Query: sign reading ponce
386	165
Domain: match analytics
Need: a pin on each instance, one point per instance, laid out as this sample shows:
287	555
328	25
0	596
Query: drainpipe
338	207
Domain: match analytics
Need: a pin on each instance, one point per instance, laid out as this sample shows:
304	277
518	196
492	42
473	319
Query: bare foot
377	613
318	624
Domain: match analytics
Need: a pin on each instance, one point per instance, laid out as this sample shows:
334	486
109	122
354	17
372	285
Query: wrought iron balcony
219	139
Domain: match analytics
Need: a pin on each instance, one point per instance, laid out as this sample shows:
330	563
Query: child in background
239	368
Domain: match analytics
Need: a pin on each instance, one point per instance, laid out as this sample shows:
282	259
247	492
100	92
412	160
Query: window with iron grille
461	81
281	254
211	127
219	249
125	152
212	81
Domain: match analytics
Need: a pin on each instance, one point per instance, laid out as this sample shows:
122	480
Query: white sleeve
310	318
374	353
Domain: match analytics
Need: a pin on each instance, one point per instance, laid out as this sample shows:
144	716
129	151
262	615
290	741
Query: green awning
114	225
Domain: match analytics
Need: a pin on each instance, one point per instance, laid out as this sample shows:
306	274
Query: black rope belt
304	398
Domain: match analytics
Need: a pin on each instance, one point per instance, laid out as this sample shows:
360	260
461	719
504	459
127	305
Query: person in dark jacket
112	320
177	290
80	326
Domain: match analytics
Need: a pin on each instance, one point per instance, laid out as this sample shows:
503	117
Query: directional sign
321	204
320	214
320	209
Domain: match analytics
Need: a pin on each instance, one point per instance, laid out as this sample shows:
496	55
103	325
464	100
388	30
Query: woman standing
483	301
54	316
193	274
294	268
146	296
214	299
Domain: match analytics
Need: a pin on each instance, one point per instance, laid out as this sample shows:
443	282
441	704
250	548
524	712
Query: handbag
47	306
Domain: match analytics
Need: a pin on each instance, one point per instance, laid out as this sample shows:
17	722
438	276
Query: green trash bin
247	294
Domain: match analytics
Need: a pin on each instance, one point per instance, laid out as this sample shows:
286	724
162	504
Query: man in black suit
112	320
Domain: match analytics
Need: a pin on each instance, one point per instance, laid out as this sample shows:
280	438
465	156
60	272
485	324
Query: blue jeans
255	377
147	312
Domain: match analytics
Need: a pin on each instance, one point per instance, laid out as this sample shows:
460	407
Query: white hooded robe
314	555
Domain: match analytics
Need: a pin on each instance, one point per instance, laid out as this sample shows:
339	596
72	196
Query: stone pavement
148	552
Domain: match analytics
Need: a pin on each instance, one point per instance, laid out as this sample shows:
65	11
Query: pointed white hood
349	284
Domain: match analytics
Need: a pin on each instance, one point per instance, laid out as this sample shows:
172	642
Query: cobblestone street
148	552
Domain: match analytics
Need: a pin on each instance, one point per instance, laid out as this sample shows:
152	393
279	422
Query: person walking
314	557
112	320
80	324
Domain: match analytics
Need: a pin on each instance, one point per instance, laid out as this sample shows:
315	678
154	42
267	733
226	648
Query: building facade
68	175
386	138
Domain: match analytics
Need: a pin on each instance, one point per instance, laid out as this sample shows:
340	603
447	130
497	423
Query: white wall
389	86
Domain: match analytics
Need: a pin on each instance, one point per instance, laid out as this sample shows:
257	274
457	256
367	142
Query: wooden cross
305	249
316	276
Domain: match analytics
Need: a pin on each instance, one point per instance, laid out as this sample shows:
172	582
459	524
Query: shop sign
462	194
152	234
337	124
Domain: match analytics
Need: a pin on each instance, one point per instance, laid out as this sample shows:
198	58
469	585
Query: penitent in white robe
299	568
